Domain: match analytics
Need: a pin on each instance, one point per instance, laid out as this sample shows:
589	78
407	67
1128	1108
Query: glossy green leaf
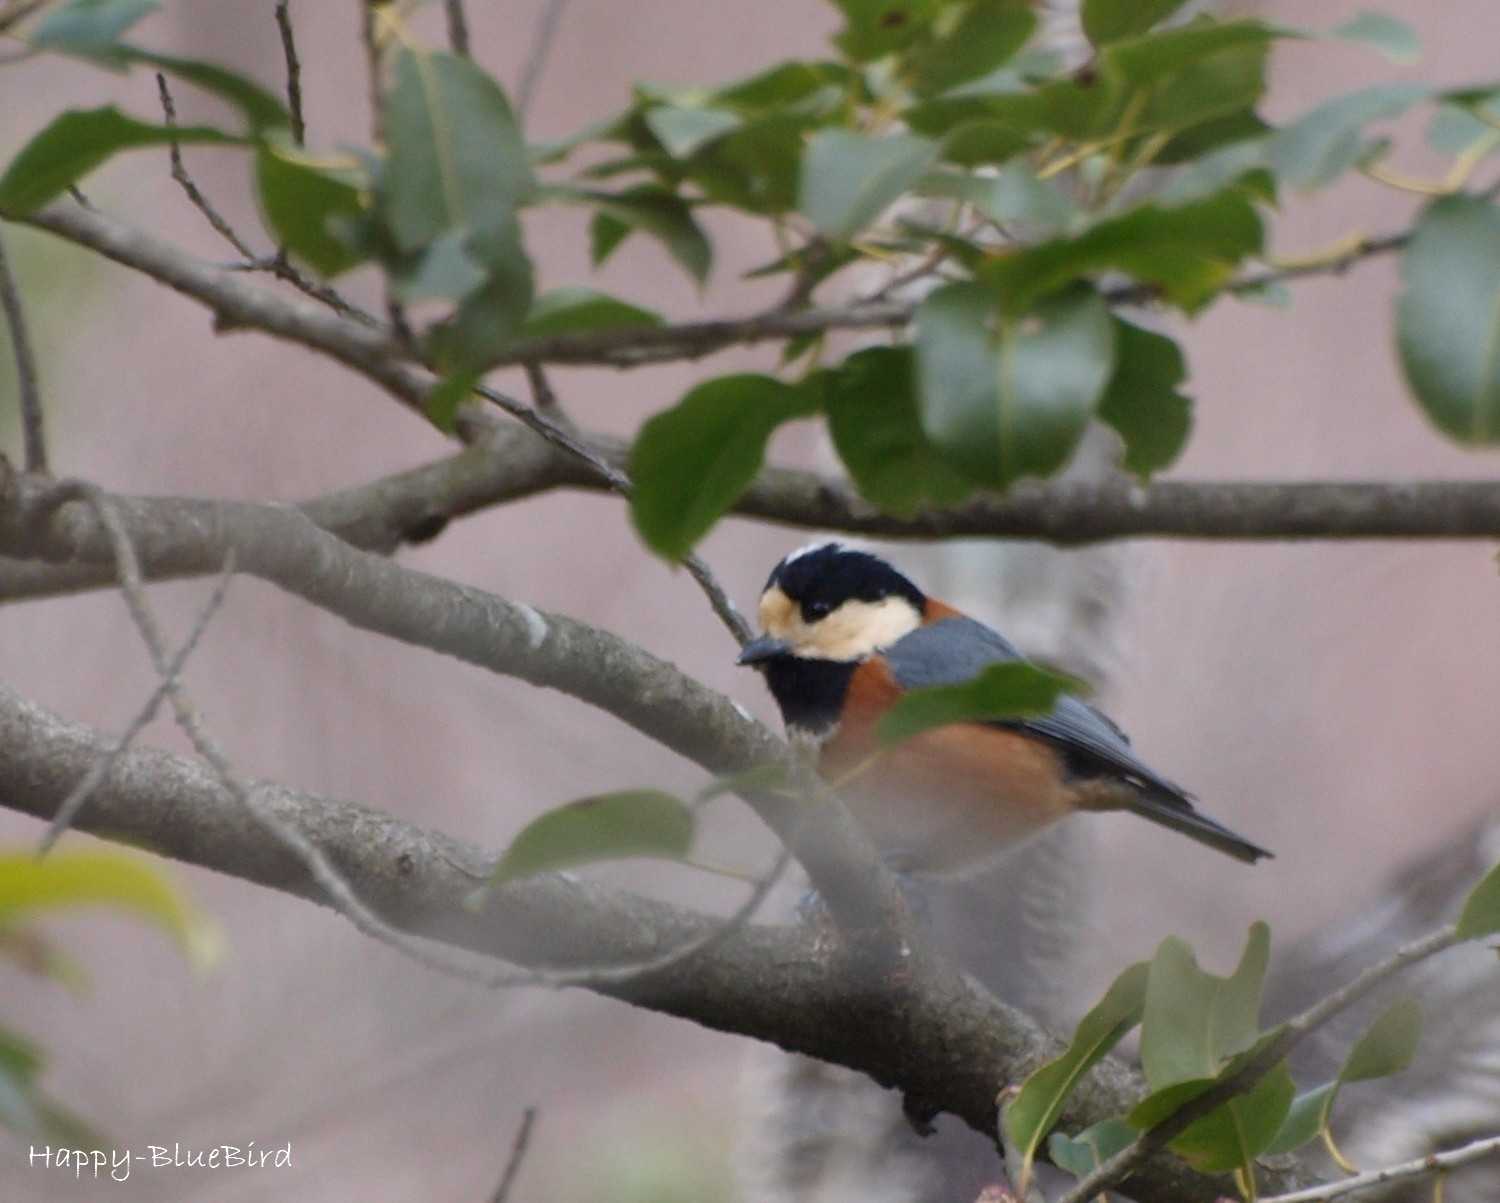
1002	691
682	131
848	179
1448	318
105	877
1006	397
455	158
1234	1135
614	826
77	142
1031	1114
1383	32
1319	147
1187	251
572	310
1107	21
653	210
1142	401
88	26
1082	1154
875	28
691	462
982	36
872	415
1481	912
300	200
1196	1021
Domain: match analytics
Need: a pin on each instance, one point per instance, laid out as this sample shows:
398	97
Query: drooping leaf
445	270
573	309
1082	1154
74	144
1394	39
1195	1021
489	318
1481	911
1448	318
300	200
682	131
1317	148
105	877
1305	1119
1031	1114
872	415
1142	401
614	826
1106	21
657	212
455	157
849	178
1009	396
1002	691
691	462
88	26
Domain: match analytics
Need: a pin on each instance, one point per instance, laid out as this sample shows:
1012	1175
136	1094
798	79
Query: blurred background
1335	703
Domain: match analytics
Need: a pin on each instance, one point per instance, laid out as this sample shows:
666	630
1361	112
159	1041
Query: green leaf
77	142
1031	1114
1142	402
260	108
657	212
88	26
1234	1135
1014	689
1458	129
872	415
985	35
300	199
573	310
107	877
1082	1154
1448	318
1394	39
614	826
1106	21
848	179
875	28
455	158
445	270
1305	1119
1195	1021
1169	52
1188	251
1011	194
1481	913
1004	397
1319	147
691	462
683	131
489	318
1388	1044
443	399
785	85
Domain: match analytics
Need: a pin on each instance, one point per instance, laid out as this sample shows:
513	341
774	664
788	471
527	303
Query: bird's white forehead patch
808	548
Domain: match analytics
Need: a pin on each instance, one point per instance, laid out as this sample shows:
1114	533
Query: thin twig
617	480
293	70
1433	1163
102	767
28	388
1290	1034
517	1155
543	396
541	48
179	173
458	27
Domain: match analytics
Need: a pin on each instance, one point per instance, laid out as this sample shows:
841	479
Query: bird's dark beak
758	651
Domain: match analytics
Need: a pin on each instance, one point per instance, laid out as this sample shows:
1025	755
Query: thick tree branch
926	1029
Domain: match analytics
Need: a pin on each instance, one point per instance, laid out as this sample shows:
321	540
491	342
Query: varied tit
845	635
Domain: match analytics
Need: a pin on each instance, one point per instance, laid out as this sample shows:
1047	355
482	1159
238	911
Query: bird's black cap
822	578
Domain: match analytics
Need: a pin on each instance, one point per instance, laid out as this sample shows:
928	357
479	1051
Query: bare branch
517	1156
1433	1163
458	27
293	70
28	389
541	49
179	173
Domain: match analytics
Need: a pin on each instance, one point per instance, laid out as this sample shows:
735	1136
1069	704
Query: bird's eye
814	610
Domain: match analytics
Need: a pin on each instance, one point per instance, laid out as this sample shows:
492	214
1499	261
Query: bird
845	634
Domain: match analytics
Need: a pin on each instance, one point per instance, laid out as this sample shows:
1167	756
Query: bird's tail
1180	815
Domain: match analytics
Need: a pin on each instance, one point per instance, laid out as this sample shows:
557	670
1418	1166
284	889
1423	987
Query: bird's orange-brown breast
947	798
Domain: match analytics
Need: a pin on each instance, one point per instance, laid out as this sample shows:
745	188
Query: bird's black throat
809	692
